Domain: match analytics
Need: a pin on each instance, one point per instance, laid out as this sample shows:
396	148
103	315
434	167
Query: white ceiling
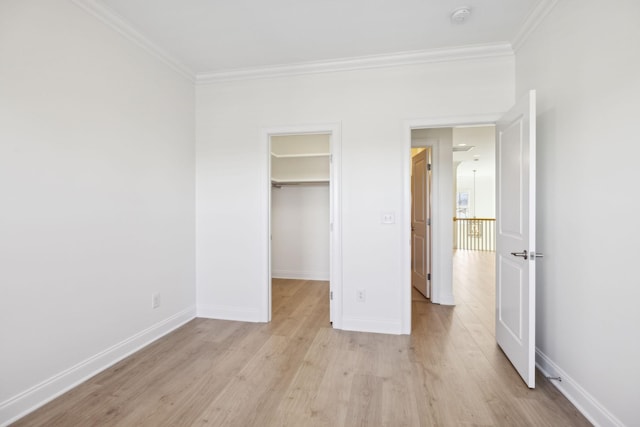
209	36
481	158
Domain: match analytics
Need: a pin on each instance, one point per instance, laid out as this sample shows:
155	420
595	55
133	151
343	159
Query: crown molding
533	20
117	23
461	53
360	63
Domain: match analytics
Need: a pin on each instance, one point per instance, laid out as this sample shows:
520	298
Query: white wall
584	62
300	230
373	107
97	199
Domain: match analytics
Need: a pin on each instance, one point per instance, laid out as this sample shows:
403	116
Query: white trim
225	312
335	242
459	53
533	20
335	219
593	410
126	29
365	324
453	121
303	275
442	253
360	63
20	405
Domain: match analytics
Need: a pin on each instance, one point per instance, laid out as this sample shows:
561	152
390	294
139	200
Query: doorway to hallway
474	220
472	157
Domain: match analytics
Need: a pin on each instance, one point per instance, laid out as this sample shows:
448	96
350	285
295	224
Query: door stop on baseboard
559	379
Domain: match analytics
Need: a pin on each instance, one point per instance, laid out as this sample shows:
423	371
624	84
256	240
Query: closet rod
279	184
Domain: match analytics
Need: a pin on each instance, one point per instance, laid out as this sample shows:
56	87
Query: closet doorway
303	221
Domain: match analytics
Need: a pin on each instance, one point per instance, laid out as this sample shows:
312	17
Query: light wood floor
297	371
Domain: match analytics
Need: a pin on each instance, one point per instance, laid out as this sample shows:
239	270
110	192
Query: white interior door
420	227
515	236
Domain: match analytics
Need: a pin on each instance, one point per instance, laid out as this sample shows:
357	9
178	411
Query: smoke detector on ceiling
460	15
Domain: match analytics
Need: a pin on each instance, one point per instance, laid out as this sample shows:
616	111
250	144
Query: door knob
524	254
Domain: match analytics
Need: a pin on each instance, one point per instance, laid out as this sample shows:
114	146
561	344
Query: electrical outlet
155	300
361	295
388	218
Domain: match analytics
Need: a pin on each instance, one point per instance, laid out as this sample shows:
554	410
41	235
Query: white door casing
420	227
515	236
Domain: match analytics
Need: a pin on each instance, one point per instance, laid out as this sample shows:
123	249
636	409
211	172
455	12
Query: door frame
441	211
334	130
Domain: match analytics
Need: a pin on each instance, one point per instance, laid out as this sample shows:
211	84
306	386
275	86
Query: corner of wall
18	406
575	393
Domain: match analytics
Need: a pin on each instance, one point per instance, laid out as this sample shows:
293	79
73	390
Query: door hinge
428	276
331	295
428	221
330	158
428	166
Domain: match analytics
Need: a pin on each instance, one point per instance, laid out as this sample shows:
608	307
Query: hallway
467	377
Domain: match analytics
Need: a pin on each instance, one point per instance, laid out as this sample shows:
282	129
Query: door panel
511	189
515	237
511	299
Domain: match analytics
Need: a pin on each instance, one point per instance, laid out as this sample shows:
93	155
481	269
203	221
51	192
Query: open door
420	222
515	236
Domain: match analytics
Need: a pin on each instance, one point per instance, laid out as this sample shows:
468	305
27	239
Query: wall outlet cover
155	300
388	218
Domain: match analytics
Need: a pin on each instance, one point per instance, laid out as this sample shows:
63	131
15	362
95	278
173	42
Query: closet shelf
299	155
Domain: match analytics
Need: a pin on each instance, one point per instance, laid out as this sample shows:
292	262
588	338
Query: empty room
247	213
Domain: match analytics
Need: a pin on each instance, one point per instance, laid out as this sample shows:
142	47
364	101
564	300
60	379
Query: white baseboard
380	326
20	405
303	275
241	314
446	299
597	414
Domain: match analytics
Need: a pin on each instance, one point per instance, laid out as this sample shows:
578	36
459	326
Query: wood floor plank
297	405
298	371
365	401
332	400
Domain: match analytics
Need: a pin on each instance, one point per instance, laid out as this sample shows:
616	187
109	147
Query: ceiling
481	157
209	36
473	145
